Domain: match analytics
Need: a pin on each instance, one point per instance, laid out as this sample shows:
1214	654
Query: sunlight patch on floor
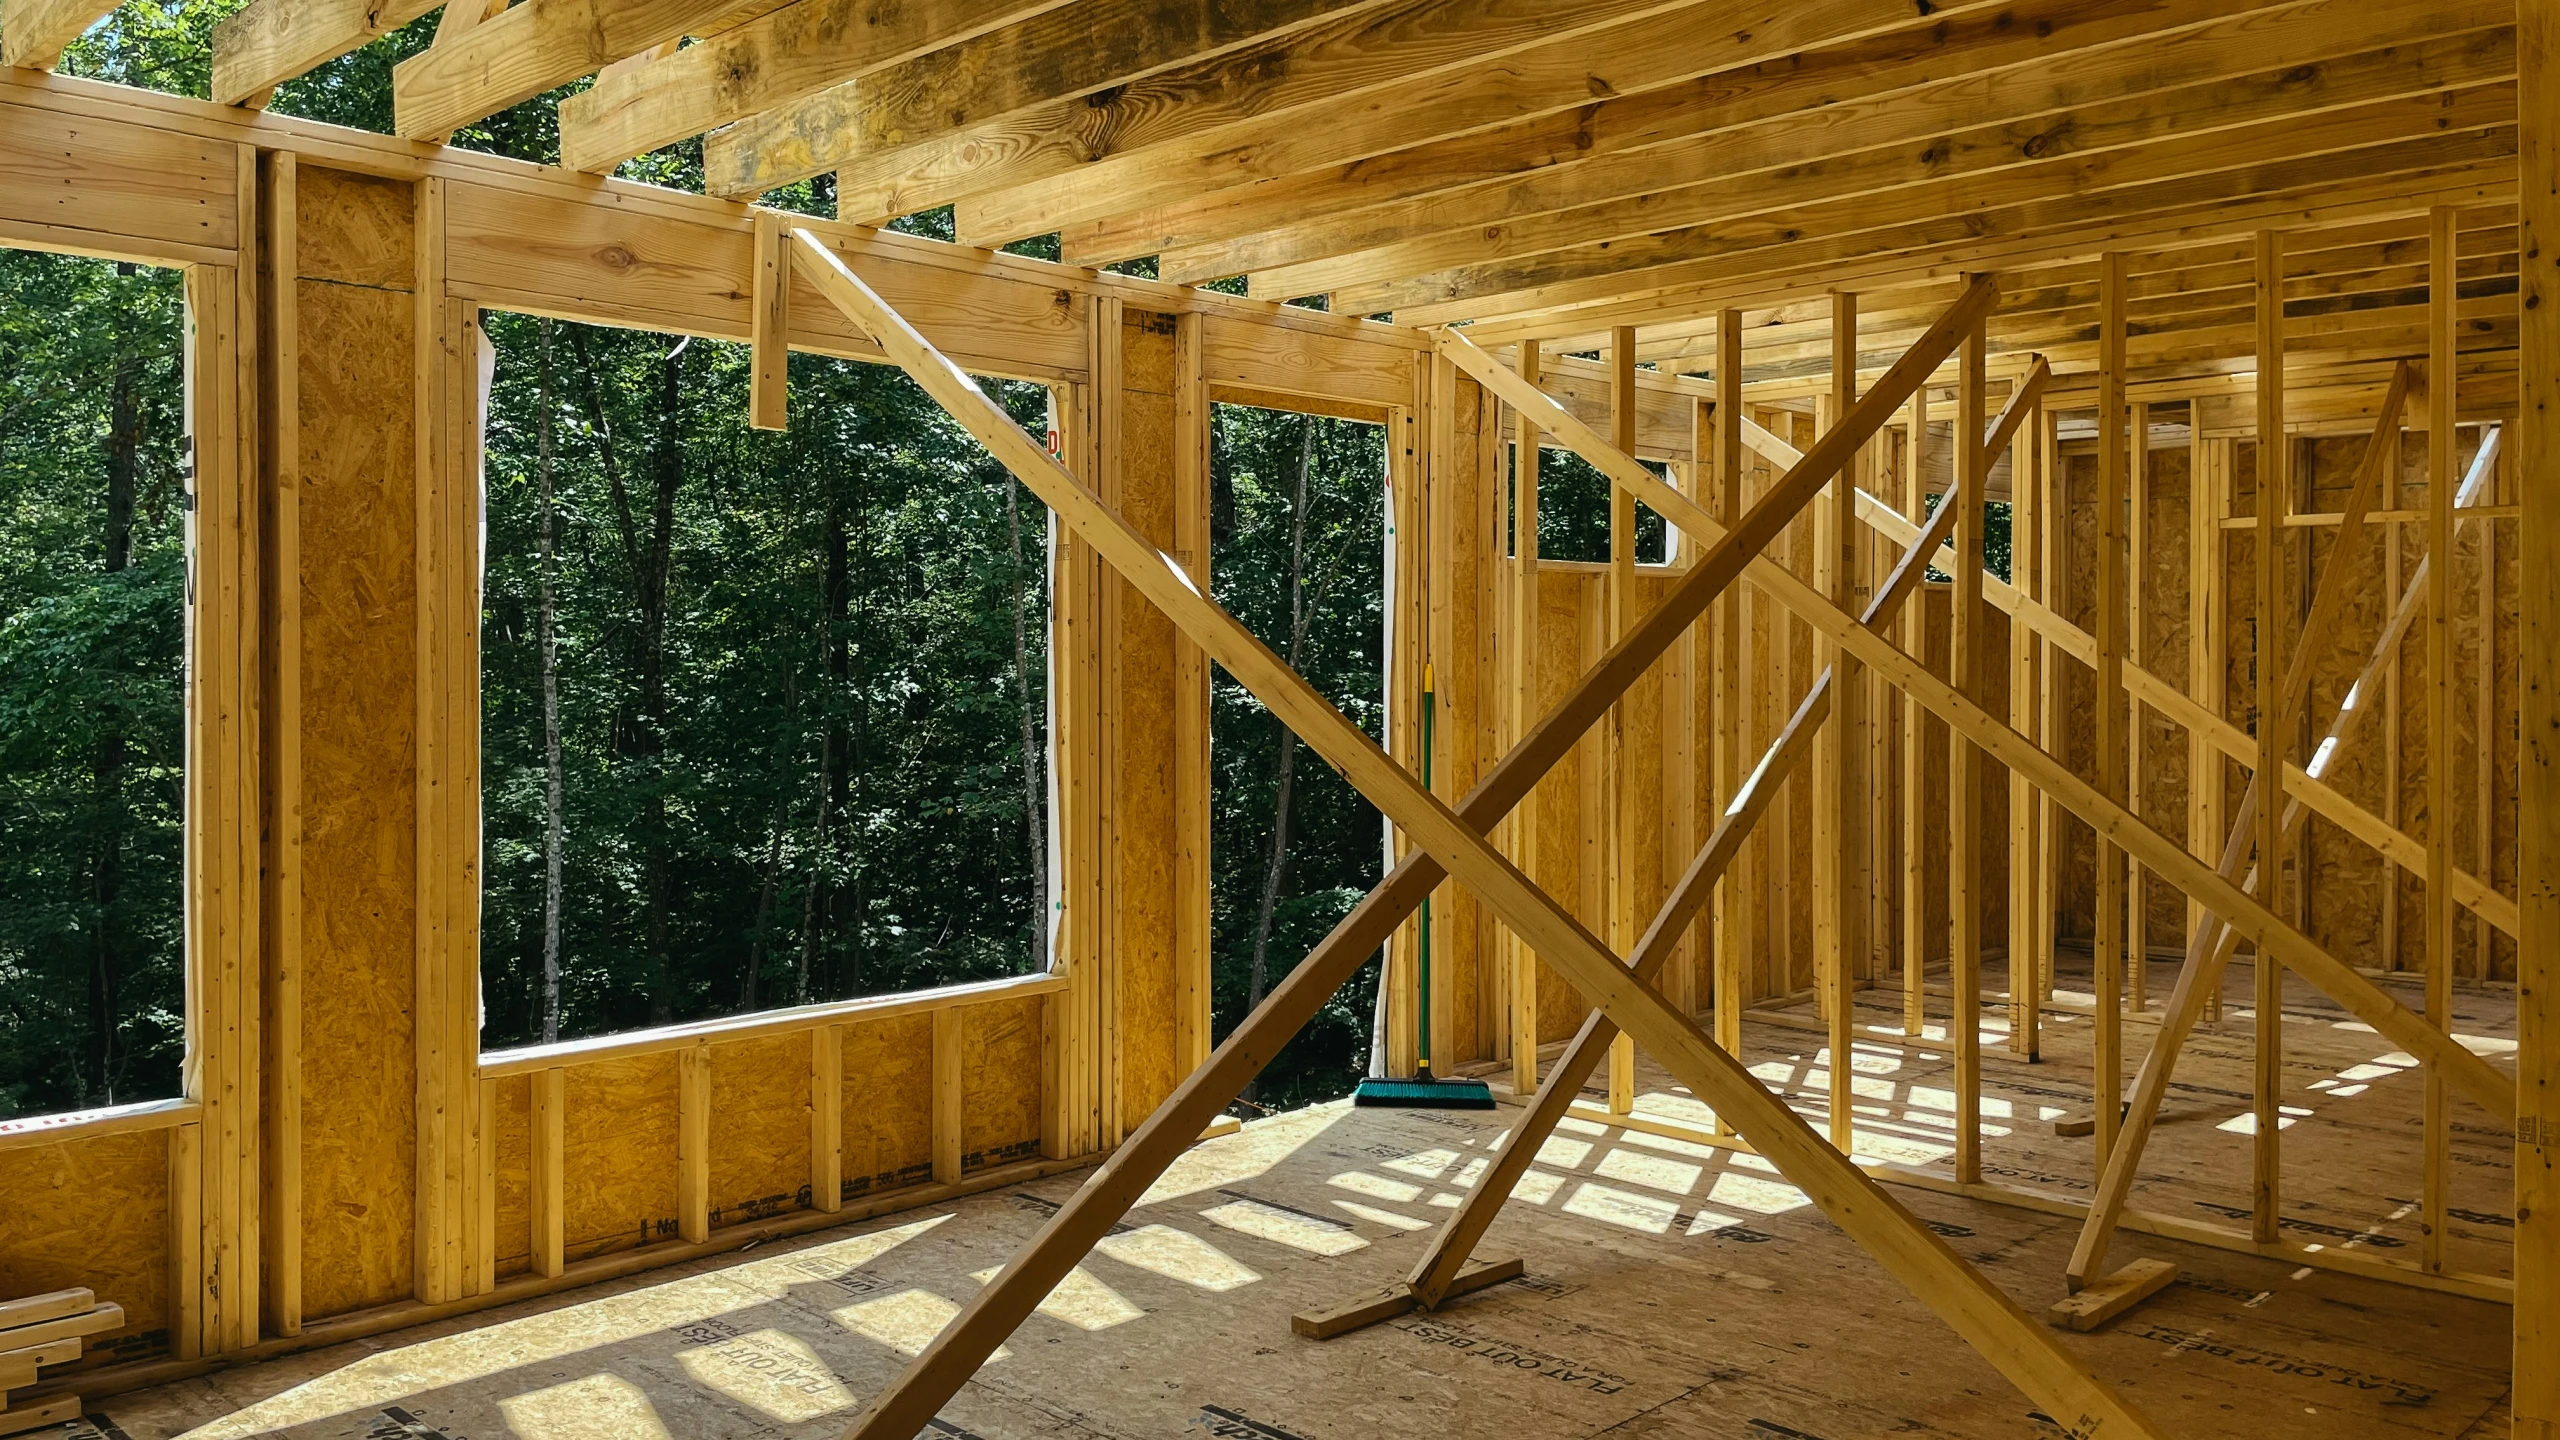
1081	1300
1284	1227
905	1322
771	1372
1177	1255
599	1407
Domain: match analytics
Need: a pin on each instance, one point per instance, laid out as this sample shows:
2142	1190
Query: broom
1423	1091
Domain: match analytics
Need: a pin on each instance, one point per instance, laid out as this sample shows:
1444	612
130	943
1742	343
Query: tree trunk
833	601
547	640
1033	790
1288	741
106	956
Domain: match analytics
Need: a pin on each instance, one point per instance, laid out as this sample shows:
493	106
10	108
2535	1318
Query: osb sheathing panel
2350	884
1000	1082
511	1166
93	1212
1563	601
354	229
1145	853
759	1126
888	1104
2161	796
619	1154
1465	682
359	626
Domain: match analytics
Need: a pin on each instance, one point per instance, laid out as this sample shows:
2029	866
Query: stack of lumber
43	1330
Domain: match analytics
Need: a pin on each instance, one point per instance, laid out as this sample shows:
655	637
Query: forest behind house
763	714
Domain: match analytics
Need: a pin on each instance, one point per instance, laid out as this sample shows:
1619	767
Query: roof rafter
1054	55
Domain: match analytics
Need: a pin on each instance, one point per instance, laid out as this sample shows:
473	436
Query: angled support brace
2474	1077
2210	945
1434	1278
1987	1318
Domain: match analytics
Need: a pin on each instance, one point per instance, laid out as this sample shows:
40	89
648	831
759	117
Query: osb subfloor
1673	1290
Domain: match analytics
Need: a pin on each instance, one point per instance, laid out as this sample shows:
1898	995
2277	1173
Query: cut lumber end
1356	1313
18	1420
2112	1296
2075	1126
1223	1125
1362	1311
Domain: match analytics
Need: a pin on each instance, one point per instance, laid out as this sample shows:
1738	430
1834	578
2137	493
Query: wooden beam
693	1142
947	1092
1736	930
1618	800
1965	768
2107	944
518	53
1987	1318
1725	177
1549	163
826	1118
1523	656
2274	474
1048	57
34	32
1647	46
1838	837
2438	922
2226	165
769	375
2027	562
547	1203
773	59
2468	168
2536	1396
267	42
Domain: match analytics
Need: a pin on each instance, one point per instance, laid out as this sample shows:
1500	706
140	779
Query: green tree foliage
92	736
1336	842
791	716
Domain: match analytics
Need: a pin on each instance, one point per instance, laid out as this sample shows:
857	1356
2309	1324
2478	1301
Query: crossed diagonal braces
1451	844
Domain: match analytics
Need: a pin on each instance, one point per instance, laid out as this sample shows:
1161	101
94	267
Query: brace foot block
2113	1296
1361	1311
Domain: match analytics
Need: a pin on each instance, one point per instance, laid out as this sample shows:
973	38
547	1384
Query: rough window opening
93	586
1573	511
797	676
1326	558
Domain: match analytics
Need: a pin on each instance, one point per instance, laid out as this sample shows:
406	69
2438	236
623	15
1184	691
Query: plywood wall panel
359	641
1145	852
510	1130
94	1212
1000	1082
888	1104
619	1155
759	1127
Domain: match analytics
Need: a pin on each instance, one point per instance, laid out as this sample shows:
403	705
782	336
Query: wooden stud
2535	1398
769	338
1524	700
2274	473
1915	839
186	1242
1737	941
2441	410
948	1118
1192	920
1965	765
2137	894
547	1184
2026	571
1619	809
826	1117
693	1143
2107	1044
1839	838
280	730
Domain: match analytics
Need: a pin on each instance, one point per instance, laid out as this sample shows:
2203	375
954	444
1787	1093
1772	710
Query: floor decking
1672	1289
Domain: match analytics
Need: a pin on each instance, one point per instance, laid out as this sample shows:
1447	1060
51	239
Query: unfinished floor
1673	1288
